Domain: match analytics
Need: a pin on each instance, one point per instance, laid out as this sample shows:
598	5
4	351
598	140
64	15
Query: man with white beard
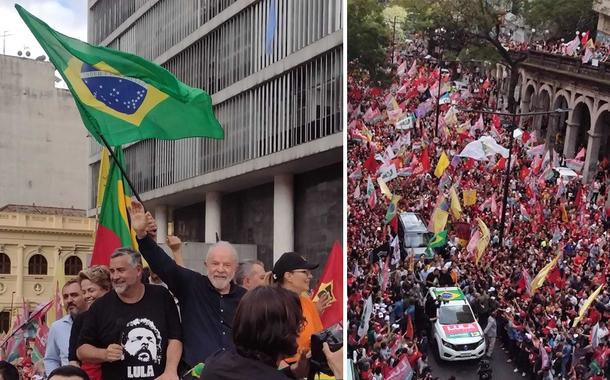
207	303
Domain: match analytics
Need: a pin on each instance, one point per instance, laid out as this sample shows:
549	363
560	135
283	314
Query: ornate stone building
35	242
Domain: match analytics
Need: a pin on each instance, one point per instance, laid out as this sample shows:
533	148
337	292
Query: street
467	370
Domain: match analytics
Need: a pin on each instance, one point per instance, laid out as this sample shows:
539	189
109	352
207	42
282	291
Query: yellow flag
103	176
384	188
456	208
470	197
443	163
564	214
538	281
438	220
587	304
483	241
394	104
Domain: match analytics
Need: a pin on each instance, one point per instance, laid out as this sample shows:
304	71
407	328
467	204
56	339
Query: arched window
5	264
72	266
37	265
5	321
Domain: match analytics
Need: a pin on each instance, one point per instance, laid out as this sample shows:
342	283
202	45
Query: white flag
366	317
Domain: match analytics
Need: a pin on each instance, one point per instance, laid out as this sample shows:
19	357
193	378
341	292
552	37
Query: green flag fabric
123	97
113	229
438	240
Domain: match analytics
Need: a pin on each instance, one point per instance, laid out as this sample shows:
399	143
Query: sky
66	16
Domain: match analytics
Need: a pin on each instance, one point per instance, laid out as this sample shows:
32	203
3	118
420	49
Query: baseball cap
290	261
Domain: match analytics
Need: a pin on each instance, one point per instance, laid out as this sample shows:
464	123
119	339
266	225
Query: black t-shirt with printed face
142	328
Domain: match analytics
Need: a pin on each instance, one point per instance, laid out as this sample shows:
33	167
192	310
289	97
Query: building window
72	266
37	265
5	264
5	321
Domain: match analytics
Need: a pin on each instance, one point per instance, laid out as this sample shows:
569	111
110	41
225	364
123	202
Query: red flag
331	282
394	224
425	160
409	334
554	277
469	164
495	120
501	164
523	173
402	371
371	163
585	38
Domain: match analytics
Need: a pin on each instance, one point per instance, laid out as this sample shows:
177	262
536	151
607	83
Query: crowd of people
582	46
124	321
547	217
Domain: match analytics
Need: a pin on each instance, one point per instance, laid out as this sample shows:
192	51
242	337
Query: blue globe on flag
122	94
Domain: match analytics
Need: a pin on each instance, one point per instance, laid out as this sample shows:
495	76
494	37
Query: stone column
283	215
20	274
212	216
525	107
569	145
161	218
592	156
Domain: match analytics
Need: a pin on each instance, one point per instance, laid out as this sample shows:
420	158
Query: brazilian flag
122	97
438	240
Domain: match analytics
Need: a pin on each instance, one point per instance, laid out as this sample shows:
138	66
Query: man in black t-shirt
134	330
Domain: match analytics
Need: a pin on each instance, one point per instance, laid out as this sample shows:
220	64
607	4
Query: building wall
43	148
318	212
189	222
247	218
55	237
267	101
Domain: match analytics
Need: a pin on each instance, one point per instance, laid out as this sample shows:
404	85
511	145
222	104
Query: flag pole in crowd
511	129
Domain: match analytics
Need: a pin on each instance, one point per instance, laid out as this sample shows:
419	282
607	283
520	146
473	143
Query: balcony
569	68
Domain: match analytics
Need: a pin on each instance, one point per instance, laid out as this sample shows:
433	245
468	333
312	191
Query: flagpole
25	323
511	129
118	164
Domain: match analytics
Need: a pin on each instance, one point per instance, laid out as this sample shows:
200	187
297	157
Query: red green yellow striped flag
113	228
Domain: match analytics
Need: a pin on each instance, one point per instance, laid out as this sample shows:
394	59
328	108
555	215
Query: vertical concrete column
170	219
592	156
161	218
212	216
283	215
569	145
19	284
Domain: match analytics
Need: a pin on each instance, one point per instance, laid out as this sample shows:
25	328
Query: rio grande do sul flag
113	229
331	282
123	97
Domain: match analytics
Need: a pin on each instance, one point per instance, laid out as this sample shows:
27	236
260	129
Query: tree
474	25
395	14
368	36
561	17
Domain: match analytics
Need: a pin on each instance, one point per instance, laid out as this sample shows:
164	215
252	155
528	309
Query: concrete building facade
275	181
34	243
43	144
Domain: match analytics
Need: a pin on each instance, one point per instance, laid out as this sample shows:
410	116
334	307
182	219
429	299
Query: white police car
457	334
